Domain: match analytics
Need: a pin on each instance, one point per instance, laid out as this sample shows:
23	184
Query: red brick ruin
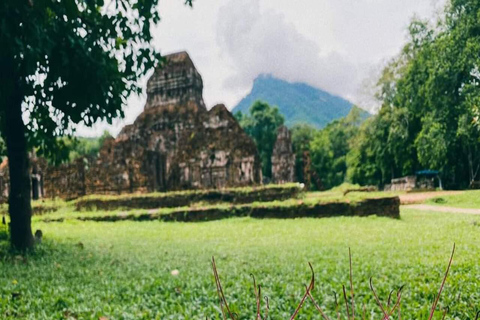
174	144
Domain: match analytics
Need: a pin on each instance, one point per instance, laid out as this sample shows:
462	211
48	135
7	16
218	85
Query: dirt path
420	197
427	207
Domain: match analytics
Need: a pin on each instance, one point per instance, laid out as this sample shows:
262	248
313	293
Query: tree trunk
20	209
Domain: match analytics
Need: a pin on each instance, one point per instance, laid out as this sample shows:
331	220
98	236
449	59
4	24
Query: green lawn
467	199
122	270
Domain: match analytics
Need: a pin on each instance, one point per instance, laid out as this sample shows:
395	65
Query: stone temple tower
177	82
283	158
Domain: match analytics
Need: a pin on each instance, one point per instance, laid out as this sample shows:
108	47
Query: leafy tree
430	94
431	143
84	147
330	146
302	136
370	160
262	124
469	143
63	63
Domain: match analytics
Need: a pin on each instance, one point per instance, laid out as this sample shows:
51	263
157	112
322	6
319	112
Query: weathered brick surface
283	158
66	181
175	143
38	169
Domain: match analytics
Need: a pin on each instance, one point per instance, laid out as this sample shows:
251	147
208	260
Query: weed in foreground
388	311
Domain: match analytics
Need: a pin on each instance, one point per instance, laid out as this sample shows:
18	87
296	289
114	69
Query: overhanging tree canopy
63	63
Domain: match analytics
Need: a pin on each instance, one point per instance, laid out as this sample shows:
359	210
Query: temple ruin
283	158
174	144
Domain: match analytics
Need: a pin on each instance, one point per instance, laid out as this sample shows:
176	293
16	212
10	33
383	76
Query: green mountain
298	102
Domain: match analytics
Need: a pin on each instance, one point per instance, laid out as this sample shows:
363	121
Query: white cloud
347	39
331	44
263	41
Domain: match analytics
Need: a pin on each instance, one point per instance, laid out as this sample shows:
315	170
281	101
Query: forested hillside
297	102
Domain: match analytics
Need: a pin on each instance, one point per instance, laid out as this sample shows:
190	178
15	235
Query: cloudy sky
336	45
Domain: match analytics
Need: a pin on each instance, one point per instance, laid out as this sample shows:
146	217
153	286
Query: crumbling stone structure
283	158
176	83
217	154
419	181
38	170
175	143
67	180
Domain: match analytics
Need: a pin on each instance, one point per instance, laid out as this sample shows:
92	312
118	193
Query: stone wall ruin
283	158
174	144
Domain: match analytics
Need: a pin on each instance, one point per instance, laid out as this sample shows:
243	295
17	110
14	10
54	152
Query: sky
336	45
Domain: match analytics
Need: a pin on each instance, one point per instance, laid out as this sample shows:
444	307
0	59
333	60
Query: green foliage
84	147
262	124
330	146
430	96
431	143
123	270
63	63
73	62
370	160
3	148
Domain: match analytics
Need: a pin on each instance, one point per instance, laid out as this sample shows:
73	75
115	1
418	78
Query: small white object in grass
302	185
175	272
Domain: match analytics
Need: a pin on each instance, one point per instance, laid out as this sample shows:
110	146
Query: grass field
122	270
468	199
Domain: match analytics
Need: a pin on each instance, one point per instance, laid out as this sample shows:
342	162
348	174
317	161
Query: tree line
327	148
428	119
430	102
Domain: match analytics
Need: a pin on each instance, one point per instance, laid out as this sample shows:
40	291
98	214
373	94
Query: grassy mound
187	198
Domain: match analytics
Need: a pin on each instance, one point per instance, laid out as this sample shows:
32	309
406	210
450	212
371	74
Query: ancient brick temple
176	84
283	158
175	143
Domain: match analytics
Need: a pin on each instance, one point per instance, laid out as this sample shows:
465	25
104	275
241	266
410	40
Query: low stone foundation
384	207
187	198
